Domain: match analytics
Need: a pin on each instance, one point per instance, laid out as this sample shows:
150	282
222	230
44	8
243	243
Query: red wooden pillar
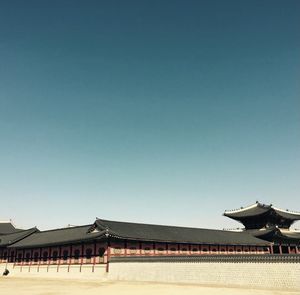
49	258
31	257
8	255
271	249
82	255
70	257
39	261
13	256
125	247
22	259
59	259
280	249
94	258
108	256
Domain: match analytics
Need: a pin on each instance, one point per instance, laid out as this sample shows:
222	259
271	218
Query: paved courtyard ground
38	286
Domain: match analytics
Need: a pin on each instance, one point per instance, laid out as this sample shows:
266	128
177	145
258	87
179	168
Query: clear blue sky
151	111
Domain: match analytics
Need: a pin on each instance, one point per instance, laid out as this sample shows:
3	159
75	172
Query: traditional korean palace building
270	224
267	231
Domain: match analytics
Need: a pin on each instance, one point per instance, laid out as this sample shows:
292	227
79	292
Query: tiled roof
58	237
7	228
162	233
10	239
260	209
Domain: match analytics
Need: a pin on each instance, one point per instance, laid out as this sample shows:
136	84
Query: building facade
98	243
271	224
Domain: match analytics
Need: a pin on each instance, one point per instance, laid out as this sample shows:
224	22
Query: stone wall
257	274
263	271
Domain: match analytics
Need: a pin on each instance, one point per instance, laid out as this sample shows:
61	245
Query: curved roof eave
244	212
259	209
292	215
290	234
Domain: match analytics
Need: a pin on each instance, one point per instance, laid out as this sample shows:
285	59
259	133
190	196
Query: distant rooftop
260	215
260	208
7	227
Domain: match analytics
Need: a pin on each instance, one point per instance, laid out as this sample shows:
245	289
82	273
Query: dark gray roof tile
58	237
10	239
8	228
162	233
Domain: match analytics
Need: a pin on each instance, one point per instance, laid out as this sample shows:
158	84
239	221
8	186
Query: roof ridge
174	234
242	208
64	228
9	221
18	232
261	205
161	225
257	204
285	210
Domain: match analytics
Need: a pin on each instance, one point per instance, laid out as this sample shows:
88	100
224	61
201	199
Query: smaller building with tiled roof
7	227
58	237
269	223
261	215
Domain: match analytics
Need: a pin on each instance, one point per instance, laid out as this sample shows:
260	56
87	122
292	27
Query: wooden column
31	257
22	259
94	258
8	255
59	259
39	261
125	247
108	256
49	258
70	257
82	255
